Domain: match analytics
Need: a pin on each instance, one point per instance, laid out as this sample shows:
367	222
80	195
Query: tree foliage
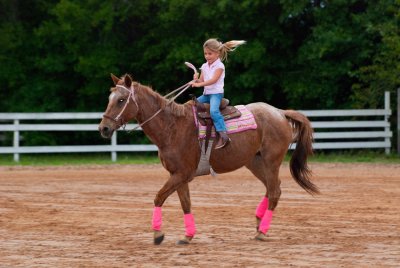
308	54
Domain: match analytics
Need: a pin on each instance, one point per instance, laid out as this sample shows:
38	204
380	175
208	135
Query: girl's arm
213	80
197	79
201	79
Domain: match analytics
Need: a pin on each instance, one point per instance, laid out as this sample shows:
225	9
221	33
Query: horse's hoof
158	237
158	240
258	221
261	237
184	241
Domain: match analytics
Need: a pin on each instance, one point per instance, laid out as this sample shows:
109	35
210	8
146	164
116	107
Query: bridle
120	121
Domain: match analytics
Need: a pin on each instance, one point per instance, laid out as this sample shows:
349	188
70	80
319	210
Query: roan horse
171	127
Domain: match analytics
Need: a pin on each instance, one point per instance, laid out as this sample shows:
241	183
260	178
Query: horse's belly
240	151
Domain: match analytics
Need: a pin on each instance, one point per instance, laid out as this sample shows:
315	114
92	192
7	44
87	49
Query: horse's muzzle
105	131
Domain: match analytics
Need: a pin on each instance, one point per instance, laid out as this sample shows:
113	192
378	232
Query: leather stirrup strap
208	133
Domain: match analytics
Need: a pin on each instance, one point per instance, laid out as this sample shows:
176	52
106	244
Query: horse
171	127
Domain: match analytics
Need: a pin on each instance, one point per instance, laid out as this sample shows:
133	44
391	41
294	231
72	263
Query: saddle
204	117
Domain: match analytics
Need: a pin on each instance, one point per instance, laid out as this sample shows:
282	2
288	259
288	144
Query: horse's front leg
190	227
174	182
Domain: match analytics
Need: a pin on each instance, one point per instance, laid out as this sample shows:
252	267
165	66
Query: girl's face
210	55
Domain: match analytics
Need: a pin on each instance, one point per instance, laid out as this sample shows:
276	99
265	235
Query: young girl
212	79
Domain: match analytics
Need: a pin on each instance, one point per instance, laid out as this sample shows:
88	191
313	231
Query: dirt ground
100	216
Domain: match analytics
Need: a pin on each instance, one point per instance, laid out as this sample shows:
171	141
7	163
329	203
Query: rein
131	95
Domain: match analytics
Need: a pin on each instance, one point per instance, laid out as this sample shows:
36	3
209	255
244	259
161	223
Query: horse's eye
121	100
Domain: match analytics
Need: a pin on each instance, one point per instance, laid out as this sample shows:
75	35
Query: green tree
347	58
57	55
381	73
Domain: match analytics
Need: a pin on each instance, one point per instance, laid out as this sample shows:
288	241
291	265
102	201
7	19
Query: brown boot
223	140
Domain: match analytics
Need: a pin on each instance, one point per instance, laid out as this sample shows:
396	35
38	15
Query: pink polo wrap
189	225
262	207
157	218
265	222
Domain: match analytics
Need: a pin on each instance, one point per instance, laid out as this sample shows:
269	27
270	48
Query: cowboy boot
223	140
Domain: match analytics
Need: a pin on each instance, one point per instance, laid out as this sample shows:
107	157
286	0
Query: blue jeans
214	100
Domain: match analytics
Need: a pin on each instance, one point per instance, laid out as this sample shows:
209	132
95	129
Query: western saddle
204	117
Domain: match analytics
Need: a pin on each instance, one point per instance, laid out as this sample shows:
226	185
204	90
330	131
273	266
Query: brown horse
171	127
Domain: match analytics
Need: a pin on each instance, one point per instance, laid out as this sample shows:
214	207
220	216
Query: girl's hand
194	84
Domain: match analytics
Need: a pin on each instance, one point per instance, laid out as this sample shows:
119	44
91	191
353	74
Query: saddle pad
242	123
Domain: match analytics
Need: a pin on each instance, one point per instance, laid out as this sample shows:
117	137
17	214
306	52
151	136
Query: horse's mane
175	108
162	102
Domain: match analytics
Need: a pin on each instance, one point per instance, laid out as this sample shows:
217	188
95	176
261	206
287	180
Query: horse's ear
115	79
127	80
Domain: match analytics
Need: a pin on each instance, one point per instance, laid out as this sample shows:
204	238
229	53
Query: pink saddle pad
244	122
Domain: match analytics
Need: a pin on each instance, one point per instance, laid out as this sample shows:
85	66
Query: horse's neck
149	103
157	128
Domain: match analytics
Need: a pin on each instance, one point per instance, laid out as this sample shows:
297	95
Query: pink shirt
208	72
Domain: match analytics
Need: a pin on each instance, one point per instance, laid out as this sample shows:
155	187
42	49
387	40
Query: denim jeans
214	100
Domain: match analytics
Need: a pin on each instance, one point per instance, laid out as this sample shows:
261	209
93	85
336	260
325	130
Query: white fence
338	130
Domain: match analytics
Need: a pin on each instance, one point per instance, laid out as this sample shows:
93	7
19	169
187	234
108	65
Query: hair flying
223	48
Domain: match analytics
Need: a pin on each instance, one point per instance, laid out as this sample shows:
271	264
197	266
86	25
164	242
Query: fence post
398	121
114	147
387	129
16	140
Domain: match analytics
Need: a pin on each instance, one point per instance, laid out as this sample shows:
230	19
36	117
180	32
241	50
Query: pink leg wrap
189	224
262	207
157	220
265	222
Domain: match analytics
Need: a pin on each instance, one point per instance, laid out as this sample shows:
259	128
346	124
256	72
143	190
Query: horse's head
122	106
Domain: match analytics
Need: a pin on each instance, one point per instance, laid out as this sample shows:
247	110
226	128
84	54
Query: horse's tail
303	138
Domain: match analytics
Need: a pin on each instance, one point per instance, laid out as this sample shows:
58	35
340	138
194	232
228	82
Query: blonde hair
222	48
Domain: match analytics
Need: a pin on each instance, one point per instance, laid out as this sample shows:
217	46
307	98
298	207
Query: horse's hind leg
268	174
257	168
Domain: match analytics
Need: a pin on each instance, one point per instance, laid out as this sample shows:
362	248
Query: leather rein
120	121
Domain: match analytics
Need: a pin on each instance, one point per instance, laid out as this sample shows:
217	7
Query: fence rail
342	132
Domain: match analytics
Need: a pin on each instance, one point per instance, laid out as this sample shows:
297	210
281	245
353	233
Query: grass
79	159
360	156
366	157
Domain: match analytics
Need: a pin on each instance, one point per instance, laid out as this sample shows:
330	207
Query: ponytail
223	48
